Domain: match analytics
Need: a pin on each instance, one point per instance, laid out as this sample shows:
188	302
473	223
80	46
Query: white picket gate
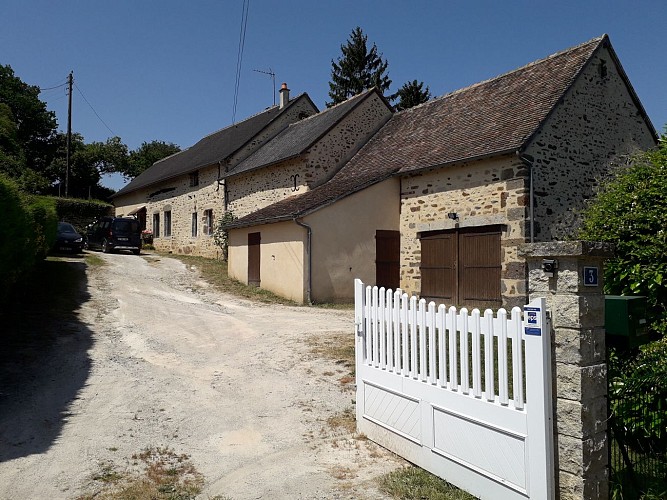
464	396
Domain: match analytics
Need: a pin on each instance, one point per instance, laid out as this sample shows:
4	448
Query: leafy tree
411	94
357	70
35	125
12	159
631	212
145	155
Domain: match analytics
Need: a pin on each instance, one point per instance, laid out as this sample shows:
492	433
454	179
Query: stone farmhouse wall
262	187
596	125
482	193
182	200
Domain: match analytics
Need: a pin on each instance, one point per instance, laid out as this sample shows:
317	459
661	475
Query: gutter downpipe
528	161
310	258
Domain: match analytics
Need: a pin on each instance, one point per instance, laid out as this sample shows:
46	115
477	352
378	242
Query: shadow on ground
44	357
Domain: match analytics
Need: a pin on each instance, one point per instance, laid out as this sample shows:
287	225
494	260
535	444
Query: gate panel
431	408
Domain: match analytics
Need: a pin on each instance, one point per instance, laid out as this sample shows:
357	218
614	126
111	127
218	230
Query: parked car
114	233
67	239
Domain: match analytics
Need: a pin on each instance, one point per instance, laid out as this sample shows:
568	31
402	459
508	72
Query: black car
114	233
67	239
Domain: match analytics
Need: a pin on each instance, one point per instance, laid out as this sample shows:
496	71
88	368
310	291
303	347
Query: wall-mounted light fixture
453	216
549	267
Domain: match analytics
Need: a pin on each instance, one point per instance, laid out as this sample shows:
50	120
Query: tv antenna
273	80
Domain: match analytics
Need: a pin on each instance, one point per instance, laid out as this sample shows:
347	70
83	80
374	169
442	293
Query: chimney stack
284	95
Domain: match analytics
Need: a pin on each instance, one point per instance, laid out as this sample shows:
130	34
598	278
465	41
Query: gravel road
156	357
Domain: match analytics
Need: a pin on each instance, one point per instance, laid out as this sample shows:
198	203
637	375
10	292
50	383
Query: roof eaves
233	173
493	154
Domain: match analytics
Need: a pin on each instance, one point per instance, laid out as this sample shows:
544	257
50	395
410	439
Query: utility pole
70	81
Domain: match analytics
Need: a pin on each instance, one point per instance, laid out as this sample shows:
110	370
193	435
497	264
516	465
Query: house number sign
533	320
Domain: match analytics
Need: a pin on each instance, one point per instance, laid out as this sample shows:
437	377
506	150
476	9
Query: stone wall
176	195
487	192
579	363
595	125
262	187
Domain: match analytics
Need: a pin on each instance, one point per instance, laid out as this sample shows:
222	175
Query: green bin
625	320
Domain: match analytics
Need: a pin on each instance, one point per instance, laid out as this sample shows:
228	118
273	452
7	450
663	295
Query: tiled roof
299	136
492	117
209	150
497	116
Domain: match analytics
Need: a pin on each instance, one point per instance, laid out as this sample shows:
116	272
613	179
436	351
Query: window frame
208	222
167	224
194	225
156	225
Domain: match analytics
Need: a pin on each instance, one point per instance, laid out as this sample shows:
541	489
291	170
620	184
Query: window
156	225
208	222
167	223
194	224
194	179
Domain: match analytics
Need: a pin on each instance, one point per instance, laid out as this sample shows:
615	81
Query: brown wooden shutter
254	240
462	266
479	267
438	267
387	259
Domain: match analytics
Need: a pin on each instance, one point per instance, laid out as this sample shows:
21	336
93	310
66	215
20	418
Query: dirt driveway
153	356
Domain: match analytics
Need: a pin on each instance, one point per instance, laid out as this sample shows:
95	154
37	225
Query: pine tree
411	94
357	70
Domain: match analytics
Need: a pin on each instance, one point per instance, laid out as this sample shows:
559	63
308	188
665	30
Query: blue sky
165	69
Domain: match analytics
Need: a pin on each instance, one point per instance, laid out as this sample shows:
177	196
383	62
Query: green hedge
80	213
28	229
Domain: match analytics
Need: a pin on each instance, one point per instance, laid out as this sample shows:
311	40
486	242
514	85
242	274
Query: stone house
181	197
305	154
439	200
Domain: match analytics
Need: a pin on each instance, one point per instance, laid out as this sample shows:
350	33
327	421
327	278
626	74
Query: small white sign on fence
464	395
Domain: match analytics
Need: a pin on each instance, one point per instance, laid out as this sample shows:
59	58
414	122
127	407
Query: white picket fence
466	396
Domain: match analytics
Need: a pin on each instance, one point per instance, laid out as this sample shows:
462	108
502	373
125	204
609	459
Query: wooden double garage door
462	266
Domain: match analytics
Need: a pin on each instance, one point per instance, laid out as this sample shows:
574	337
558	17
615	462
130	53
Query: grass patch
214	272
166	475
94	260
336	346
346	421
413	483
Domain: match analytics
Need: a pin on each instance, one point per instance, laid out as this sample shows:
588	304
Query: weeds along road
154	357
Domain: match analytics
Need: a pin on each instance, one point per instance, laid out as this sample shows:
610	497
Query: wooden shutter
387	259
438	267
462	266
254	240
479	267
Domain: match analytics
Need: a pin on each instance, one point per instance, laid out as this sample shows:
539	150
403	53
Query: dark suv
115	233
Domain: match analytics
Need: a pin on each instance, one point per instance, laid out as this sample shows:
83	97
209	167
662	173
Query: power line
54	87
91	107
239	58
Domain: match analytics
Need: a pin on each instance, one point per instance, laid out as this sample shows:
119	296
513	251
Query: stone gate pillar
572	285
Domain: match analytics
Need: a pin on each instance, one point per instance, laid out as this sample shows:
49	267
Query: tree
357	70
411	94
630	211
145	155
35	125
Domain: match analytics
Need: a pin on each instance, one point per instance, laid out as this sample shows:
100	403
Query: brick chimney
284	95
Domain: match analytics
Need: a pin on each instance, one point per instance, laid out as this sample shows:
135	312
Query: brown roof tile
493	117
